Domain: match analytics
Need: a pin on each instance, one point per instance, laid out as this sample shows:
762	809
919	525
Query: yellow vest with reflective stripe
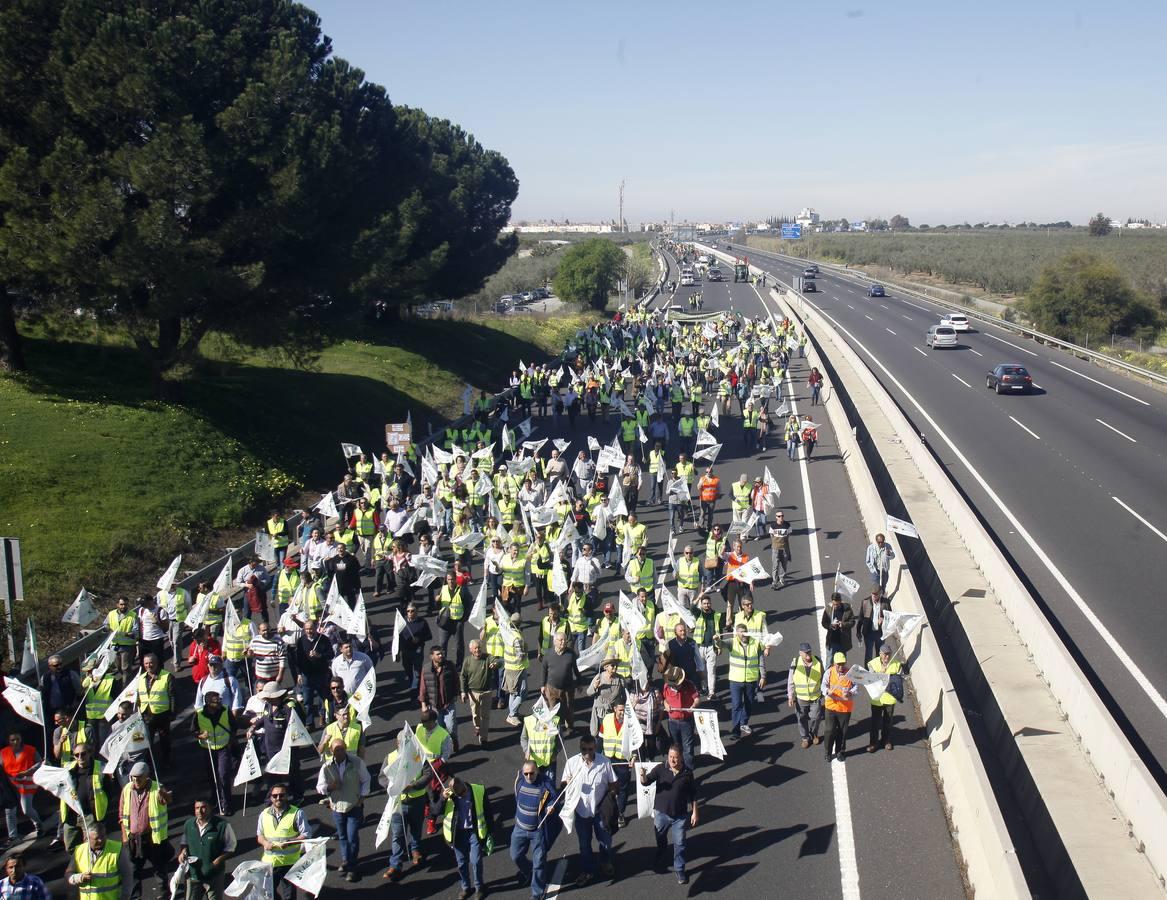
156	809
743	663
100	799
688	573
699	627
621	652
235	642
611	736
282	830
807	680
542	741
493	638
432	745
122	626
453	602
366	526
105	881
351	736
219	731
512	571
741	495
156	699
478	792
893	668
99	697
577	616
514	657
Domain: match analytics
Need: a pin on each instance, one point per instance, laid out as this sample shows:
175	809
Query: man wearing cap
272	723
288	582
838	694
221	683
680	695
281	831
214	727
883	708
143	812
804	693
344	783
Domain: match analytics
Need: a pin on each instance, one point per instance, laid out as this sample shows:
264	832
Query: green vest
205	847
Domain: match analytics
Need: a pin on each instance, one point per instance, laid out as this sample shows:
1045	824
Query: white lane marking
977	352
868	317
1140	518
1109	639
1018	423
889	331
961	380
1116	431
884	307
918	350
1099	383
1014	346
909	318
917	305
849	306
844	830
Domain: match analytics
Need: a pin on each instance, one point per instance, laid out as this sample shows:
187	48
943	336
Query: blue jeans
405	827
516	699
663	825
311	699
449	719
348	831
468	855
683	732
533	870
791	449
741	694
584	828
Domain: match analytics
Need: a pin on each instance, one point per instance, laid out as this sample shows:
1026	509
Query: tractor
741	269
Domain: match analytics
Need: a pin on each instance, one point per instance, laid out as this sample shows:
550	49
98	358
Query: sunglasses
278	796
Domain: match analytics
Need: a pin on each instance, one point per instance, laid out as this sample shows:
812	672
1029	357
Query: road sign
791	232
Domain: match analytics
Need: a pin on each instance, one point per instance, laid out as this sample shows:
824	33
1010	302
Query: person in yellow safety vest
686	470
364	522
287	583
362	469
515	668
552	624
688	576
95	867
143	811
213	620
123	625
406	824
514	579
695	397
176	602
93	787
577	614
466	825
156	702
346	728
636	534
747	675
804	693
641	571
99	691
707	638
507	506
277	527
644	602
281	830
741	498
540	556
883	708
838	697
686	431
540	741
656	463
451	437
214	727
611	735
452	602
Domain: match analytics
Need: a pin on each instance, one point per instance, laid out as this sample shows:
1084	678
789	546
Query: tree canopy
1083	295
589	272
1100	225
180	168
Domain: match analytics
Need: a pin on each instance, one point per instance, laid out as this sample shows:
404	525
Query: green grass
102	484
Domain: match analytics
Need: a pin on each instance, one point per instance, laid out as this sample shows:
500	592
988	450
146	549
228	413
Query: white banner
631	734
705	439
709	731
900	624
350	450
845	585
59	783
25	701
252	878
362	697
709	453
249	767
645	793
899	526
593	655
308	872
81	612
132	737
129	692
752	571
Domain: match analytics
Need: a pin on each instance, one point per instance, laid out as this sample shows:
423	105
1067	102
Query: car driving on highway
687	279
810	271
876	290
714	274
941	336
959	321
1010	378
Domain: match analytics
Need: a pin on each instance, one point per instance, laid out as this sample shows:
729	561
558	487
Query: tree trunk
165	358
11	349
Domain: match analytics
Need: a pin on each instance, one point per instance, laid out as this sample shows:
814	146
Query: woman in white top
493	566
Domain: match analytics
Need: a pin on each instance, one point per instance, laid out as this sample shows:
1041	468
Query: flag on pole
570	802
59	783
398	627
899	526
81	612
645	793
845	585
709	731
362	697
129	693
640	435
350	450
178	879
249	767
752	571
593	444
593	655
900	624
222	584
102	657
132	737
561	444
709	453
704	438
672	606
198	614
25	701
715	416
252	878
166	579
297	732
327	506
385	823
631	734
31	655
773	491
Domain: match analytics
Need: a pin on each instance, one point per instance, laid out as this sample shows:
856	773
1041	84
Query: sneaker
511	720
682	878
746	731
392	874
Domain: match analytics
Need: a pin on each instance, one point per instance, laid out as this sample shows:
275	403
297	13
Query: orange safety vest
709	488
733	562
835	680
15	763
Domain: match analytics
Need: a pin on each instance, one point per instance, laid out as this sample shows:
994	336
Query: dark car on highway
1009	378
876	290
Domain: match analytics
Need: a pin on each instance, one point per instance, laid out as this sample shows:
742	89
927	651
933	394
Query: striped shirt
30	887
267	654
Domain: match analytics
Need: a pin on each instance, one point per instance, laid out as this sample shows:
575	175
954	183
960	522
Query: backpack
895	686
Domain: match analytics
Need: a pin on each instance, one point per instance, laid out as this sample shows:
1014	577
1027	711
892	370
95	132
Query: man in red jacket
680	696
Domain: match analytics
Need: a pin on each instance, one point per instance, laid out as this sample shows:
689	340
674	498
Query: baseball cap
804	647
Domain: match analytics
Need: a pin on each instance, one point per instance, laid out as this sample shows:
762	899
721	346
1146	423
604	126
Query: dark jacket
348	579
414	636
559	669
839	638
865	620
438	690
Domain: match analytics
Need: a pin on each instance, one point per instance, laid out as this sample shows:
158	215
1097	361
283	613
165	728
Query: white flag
899	526
31	654
442	457
570	802
166	579
129	693
561	444
281	763
593	444
222	585
103	658
297	733
600	523
252	878
81	612
505	629
679	489
704	438
198	614
709	453
639	669
308	872
773	491
350	450
486	452
534	446
846	585
132	737
327	506
559	584
770	638
59	783
673	607
249	768
265	547
385	823
645	793
752	571
231	620
900	624
631	618
640	435
409	524
526	428
178	879
631	734
362	697
398	627
593	655
709	731
545	714
25	701
360	618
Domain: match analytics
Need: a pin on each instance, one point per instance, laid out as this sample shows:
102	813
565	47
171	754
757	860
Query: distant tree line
176	167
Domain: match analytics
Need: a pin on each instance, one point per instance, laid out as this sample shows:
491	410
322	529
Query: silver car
940	336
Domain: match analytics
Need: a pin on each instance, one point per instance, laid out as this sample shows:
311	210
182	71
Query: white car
687	279
959	321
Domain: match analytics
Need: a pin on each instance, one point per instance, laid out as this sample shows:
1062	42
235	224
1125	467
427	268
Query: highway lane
1078	466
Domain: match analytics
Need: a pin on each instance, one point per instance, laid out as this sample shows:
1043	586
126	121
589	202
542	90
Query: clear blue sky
940	111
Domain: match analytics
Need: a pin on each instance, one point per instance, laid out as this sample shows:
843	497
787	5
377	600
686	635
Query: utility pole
621	205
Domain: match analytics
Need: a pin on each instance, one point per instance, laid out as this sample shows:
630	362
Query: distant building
555	228
807	217
859	226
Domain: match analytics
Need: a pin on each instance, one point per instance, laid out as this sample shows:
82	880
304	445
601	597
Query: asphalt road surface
775	818
1072	479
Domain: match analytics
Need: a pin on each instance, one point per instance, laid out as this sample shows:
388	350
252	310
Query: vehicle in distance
959	321
527	297
810	271
714	274
805	285
940	336
813	267
1009	378
687	279
876	290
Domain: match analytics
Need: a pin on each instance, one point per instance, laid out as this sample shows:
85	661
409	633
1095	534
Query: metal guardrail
1004	324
